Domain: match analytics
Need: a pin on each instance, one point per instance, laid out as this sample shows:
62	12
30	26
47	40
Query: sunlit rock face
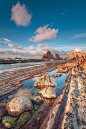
56	56
48	92
18	105
43	81
48	55
74	55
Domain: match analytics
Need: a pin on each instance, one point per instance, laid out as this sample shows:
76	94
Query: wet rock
48	92
38	118
33	111
56	75
36	107
18	105
63	68
24	117
43	81
9	121
36	99
48	101
2	111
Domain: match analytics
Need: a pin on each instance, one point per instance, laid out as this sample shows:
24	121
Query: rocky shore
32	114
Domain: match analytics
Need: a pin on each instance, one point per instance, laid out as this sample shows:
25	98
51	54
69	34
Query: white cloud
78	50
20	15
18	47
47	48
41	45
6	40
44	34
82	35
24	51
10	45
32	48
0	45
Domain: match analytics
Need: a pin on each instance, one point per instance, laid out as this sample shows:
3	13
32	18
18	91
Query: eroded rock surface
48	92
18	105
43	81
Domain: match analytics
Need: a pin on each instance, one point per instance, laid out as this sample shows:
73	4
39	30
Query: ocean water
17	66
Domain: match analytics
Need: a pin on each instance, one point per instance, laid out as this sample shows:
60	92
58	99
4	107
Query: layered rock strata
75	110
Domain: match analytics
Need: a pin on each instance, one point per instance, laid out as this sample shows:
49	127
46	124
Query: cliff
75	55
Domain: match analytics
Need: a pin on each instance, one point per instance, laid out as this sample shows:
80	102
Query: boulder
18	105
48	92
43	81
47	56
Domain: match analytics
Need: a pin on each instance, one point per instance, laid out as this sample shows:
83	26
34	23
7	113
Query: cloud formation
7	40
44	34
47	48
10	45
18	47
82	35
40	45
78	50
32	48
20	15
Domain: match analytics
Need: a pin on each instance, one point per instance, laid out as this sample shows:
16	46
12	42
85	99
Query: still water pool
34	114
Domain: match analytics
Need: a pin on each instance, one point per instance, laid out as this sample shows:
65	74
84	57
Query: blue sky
29	28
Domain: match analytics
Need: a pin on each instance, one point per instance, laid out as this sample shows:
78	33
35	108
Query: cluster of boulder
45	85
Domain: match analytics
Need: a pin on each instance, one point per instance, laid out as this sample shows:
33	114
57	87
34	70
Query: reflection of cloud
53	81
23	92
44	34
20	15
35	78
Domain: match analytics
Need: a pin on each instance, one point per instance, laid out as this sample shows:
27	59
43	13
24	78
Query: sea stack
48	55
56	56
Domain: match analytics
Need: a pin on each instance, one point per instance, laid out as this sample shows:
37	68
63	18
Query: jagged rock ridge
47	55
75	55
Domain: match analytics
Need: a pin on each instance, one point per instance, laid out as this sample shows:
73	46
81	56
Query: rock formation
47	56
56	75
74	55
56	56
43	81
48	92
18	105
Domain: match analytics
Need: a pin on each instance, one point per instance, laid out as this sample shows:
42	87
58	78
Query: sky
28	28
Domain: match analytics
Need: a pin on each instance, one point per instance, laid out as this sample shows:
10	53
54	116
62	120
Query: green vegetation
11	123
37	99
